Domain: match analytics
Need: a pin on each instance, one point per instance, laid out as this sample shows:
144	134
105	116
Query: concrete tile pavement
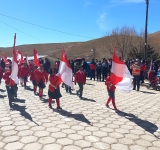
82	124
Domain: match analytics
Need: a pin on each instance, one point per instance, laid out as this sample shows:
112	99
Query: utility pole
146	25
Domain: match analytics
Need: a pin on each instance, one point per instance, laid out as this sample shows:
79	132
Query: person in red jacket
41	79
111	92
33	78
80	78
1	74
24	72
142	71
53	89
92	69
10	86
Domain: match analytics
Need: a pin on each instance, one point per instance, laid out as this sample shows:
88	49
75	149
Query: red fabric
32	76
50	101
58	102
143	67
36	61
1	73
4	57
41	76
80	77
115	79
8	80
31	65
110	87
20	53
116	59
55	81
23	71
64	58
92	67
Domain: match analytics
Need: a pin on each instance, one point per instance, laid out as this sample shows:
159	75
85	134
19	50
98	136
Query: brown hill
80	49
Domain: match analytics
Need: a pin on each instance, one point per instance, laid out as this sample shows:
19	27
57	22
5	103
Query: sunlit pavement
82	124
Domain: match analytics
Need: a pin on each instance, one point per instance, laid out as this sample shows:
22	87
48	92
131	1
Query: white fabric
66	74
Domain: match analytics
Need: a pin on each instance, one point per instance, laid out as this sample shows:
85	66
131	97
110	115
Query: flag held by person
4	58
19	56
36	61
65	70
14	73
120	76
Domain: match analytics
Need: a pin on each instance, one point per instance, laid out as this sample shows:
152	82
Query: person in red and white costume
111	92
41	79
24	72
54	89
80	78
33	78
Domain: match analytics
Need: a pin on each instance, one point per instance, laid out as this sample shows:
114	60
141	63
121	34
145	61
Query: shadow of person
29	88
146	125
79	117
86	99
44	100
19	100
90	84
147	92
3	96
22	110
2	90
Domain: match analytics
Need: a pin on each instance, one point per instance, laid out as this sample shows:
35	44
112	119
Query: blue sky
71	20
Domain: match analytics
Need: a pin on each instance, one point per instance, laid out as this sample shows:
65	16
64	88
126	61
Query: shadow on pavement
29	88
22	110
79	117
90	84
146	125
1	90
2	96
19	100
147	92
91	100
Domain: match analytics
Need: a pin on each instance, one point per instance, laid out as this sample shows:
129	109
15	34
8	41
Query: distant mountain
78	49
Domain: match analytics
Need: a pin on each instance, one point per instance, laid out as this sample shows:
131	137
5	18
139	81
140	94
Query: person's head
41	68
136	61
80	67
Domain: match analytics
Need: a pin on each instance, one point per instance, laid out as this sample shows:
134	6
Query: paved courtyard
82	124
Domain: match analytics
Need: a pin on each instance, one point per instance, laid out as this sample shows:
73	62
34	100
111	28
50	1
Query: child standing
33	78
41	79
54	90
80	78
111	92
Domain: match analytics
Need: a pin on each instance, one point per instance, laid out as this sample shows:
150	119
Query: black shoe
137	89
80	97
134	89
59	108
50	106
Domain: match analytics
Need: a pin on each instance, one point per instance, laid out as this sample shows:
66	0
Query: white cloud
101	21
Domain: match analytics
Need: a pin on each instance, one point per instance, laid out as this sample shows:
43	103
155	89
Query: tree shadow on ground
79	117
1	90
22	110
147	92
3	96
146	125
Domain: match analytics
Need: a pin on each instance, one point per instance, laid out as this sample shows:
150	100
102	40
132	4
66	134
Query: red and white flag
36	61
120	76
65	70
19	56
4	58
14	74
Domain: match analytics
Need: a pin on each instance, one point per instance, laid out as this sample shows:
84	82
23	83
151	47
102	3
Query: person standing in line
1	74
33	78
92	69
24	73
84	66
41	79
109	66
10	86
53	89
142	71
136	75
104	69
80	78
99	70
111	92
